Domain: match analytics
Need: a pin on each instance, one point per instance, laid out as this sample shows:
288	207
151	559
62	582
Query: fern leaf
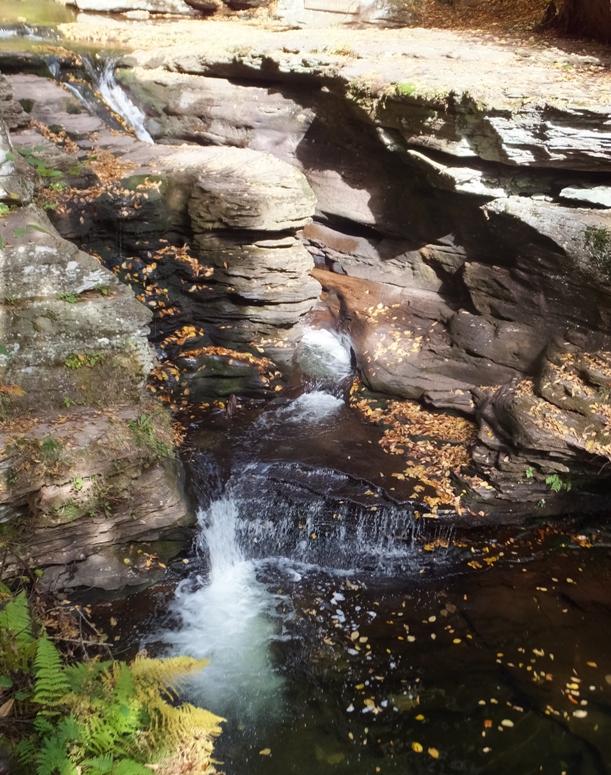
99	765
15	619
51	685
131	767
83	673
25	751
166	672
53	759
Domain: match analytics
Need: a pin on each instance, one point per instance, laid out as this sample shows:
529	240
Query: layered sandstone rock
87	468
462	225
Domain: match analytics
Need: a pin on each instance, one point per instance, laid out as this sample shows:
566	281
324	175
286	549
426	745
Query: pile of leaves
435	444
495	15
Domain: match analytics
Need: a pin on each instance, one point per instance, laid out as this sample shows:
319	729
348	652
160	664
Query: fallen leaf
417	748
6	708
434	753
265	752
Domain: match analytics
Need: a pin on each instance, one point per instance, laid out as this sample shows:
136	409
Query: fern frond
98	765
15	620
43	726
25	751
81	674
54	757
51	685
130	767
166	672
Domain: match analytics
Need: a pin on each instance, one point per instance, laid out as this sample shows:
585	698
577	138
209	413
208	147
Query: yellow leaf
420	717
417	747
265	752
434	753
6	708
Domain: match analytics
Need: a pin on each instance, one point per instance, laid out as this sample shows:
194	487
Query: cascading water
117	99
325	357
259	534
227	620
104	83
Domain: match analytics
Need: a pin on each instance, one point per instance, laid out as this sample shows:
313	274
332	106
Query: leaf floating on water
580	713
457	640
265	752
113	621
417	748
354	635
506	722
420	717
591	664
434	753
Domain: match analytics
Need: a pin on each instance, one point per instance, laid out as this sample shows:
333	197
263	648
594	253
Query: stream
346	640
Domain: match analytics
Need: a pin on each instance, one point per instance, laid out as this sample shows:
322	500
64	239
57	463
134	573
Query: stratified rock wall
465	233
87	475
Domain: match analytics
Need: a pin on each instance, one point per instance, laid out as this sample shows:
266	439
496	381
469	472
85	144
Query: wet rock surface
86	456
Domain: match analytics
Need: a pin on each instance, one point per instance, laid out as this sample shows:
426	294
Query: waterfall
325	357
227	619
269	529
117	99
105	85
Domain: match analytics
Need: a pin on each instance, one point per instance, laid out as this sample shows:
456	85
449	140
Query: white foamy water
308	408
229	621
324	355
112	94
117	99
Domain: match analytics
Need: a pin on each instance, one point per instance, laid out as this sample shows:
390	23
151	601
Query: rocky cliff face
461	233
465	231
88	482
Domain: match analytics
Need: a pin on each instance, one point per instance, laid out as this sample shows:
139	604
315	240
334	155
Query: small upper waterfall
105	85
325	357
117	99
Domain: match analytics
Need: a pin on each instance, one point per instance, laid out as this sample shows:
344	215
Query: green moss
406	89
78	360
598	243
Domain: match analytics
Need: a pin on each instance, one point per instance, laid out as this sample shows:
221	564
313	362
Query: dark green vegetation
90	716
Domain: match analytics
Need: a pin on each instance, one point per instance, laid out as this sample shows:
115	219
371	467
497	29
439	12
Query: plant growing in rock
557	485
598	242
144	430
